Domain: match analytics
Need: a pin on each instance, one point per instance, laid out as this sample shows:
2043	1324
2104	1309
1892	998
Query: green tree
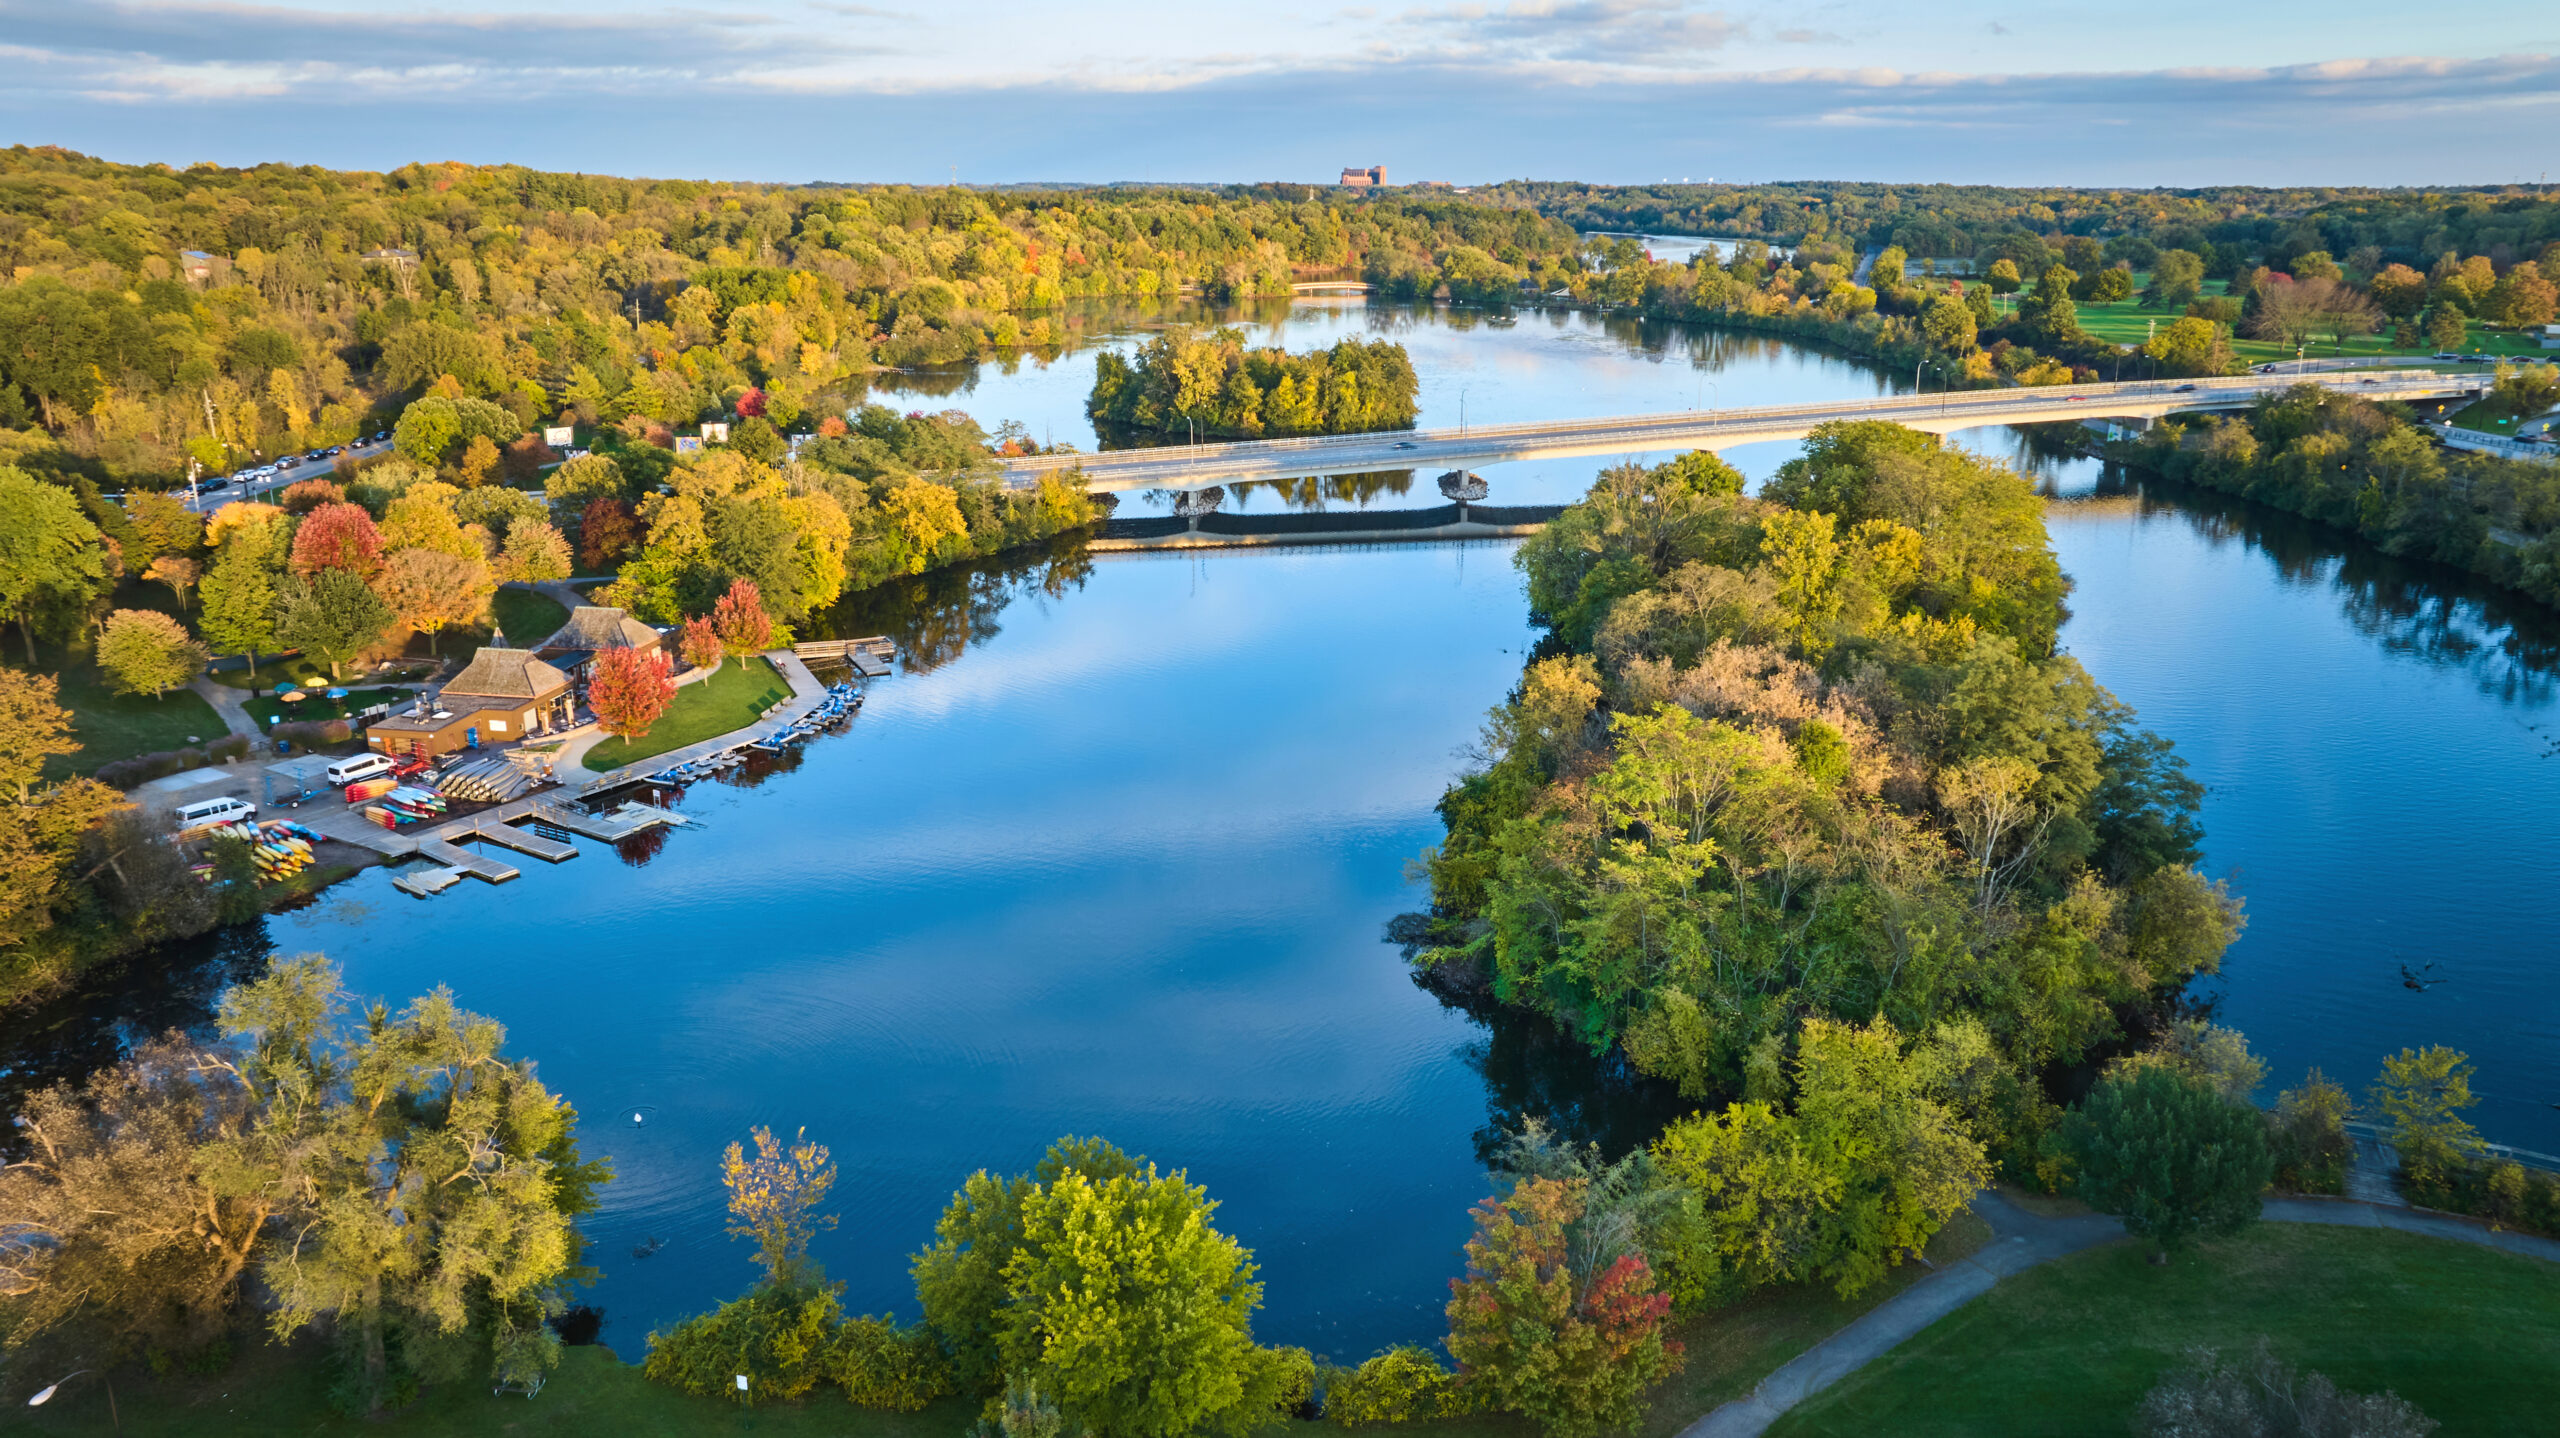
2170	1156
1949	324
2447	327
2002	277
2111	286
2190	346
2177	278
2308	1130
2421	1094
1574	1352
238	611
34	727
960	1279
147	652
330	615
52	559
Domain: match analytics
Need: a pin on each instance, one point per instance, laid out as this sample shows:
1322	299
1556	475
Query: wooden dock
426	883
525	841
476	865
610	826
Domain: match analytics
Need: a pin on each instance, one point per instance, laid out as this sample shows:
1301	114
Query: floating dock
426	883
609	826
477	866
525	841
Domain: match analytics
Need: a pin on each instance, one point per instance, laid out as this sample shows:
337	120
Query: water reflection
176	986
933	618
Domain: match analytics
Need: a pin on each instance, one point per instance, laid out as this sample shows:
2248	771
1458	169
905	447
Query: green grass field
2470	1335
267	708
111	726
527	618
734	698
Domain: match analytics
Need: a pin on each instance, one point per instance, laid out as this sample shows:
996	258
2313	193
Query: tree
1126	1305
337	536
2190	346
51	557
2111	286
1573	1353
34	727
426	429
2399	290
179	574
2048	313
479	460
2003	277
148	652
2421	1093
428	589
2528	390
630	690
2177	277
606	531
1949	324
739	616
774	1198
535	553
2259	1397
701	644
329	615
2171	1157
2309	1133
239	614
961	1277
2447	327
161	526
305	495
580	482
2522	298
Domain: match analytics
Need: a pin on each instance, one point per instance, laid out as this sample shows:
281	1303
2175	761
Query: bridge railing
1184	457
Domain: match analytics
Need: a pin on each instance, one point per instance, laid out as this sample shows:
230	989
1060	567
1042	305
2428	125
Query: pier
525	841
479	866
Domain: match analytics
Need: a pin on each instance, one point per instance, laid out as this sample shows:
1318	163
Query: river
1114	851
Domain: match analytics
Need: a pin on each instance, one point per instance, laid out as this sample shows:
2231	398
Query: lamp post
45	1394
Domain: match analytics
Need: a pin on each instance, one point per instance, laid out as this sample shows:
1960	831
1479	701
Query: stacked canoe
402	805
279	847
493	780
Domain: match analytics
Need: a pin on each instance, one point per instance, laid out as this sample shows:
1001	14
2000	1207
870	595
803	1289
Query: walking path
232	704
2021	1240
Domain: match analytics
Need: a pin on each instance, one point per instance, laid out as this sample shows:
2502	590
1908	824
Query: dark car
1406	444
2184	389
380	437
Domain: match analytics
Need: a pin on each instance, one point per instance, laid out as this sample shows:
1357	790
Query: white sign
715	434
688	444
560	434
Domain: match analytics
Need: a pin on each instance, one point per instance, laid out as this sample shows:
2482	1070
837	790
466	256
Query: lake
1114	851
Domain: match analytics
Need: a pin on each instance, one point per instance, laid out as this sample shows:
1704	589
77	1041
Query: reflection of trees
638	849
172	986
933	618
2508	644
1532	1069
1315	492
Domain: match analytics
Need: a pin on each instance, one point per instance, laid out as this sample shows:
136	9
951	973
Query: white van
204	813
357	769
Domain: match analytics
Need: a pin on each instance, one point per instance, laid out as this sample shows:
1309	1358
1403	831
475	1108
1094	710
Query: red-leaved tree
606	531
751	404
306	495
631	688
702	647
337	536
739	616
1574	1351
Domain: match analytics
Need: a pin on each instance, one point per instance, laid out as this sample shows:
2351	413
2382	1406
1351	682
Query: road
1199	466
208	500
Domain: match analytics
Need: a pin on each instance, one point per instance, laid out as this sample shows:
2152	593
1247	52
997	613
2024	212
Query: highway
208	500
1199	466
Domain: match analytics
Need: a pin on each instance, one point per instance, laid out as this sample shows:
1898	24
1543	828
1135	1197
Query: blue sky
2177	92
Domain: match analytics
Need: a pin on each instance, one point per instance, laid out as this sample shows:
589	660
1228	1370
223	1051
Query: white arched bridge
1202	465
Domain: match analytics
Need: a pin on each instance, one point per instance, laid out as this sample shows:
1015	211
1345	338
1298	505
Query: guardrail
2376	1133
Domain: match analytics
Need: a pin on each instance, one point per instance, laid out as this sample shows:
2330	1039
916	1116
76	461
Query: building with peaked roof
500	697
592	629
1374	177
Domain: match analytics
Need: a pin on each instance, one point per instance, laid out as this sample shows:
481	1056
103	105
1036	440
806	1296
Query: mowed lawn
734	698
2470	1335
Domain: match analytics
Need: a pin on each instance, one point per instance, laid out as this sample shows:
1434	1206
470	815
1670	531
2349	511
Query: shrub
2171	1156
2309	1133
882	1365
229	749
1401	1385
2259	1397
313	732
1296	1368
781	1338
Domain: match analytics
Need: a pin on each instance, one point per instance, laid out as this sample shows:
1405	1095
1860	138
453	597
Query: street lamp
45	1394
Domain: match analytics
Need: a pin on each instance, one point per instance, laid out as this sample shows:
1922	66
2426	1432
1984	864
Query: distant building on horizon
1372	178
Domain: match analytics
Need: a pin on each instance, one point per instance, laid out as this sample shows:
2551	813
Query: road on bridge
1199	466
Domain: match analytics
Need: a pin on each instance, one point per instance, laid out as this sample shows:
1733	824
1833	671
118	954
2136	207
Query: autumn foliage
702	647
304	496
739	616
337	536
1573	1351
630	690
606	530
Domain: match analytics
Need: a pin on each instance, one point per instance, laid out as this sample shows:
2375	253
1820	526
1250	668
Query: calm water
1113	852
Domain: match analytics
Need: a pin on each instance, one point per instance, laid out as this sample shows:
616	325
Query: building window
497	726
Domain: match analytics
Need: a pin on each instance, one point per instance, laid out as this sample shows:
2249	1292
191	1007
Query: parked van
358	768
206	812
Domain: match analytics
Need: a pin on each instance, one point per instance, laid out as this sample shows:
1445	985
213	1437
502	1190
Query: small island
1211	385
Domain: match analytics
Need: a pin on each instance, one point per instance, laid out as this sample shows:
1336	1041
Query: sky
2171	93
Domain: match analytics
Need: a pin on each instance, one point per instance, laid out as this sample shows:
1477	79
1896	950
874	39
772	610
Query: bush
1401	1385
884	1366
2171	1156
1297	1373
314	732
781	1338
2503	1191
2259	1397
230	749
2308	1131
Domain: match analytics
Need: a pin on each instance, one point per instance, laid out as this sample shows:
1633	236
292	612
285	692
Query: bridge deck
1198	466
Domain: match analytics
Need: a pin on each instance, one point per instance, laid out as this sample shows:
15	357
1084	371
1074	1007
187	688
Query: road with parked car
218	490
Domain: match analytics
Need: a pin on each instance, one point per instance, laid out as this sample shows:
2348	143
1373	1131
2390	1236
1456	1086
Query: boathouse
592	629
500	697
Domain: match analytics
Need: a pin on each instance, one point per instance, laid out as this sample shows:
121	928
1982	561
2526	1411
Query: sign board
715	434
560	434
688	444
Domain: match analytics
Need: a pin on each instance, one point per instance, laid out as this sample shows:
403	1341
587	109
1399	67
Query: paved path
2021	1240
232	704
806	692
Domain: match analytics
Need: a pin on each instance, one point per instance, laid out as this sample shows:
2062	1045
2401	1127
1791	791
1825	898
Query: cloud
1644	32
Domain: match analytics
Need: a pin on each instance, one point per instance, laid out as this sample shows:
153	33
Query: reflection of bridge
1199	466
1332	287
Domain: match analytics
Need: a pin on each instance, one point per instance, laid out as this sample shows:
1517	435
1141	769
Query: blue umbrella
287	687
337	694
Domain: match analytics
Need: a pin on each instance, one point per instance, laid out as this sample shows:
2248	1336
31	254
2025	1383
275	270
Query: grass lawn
266	708
277	1391
734	698
2490	414
2470	1335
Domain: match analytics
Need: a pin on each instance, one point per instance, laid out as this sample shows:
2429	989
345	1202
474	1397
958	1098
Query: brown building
500	697
1374	177
592	629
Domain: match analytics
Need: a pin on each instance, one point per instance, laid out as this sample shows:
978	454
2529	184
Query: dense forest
1813	758
1213	385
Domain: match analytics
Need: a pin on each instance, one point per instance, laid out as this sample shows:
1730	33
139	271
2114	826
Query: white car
205	813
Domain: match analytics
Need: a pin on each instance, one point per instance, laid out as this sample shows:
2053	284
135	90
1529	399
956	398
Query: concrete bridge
1199	466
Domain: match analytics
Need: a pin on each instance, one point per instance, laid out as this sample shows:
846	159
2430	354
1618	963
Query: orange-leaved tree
630	690
702	648
337	536
739	616
1572	1347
